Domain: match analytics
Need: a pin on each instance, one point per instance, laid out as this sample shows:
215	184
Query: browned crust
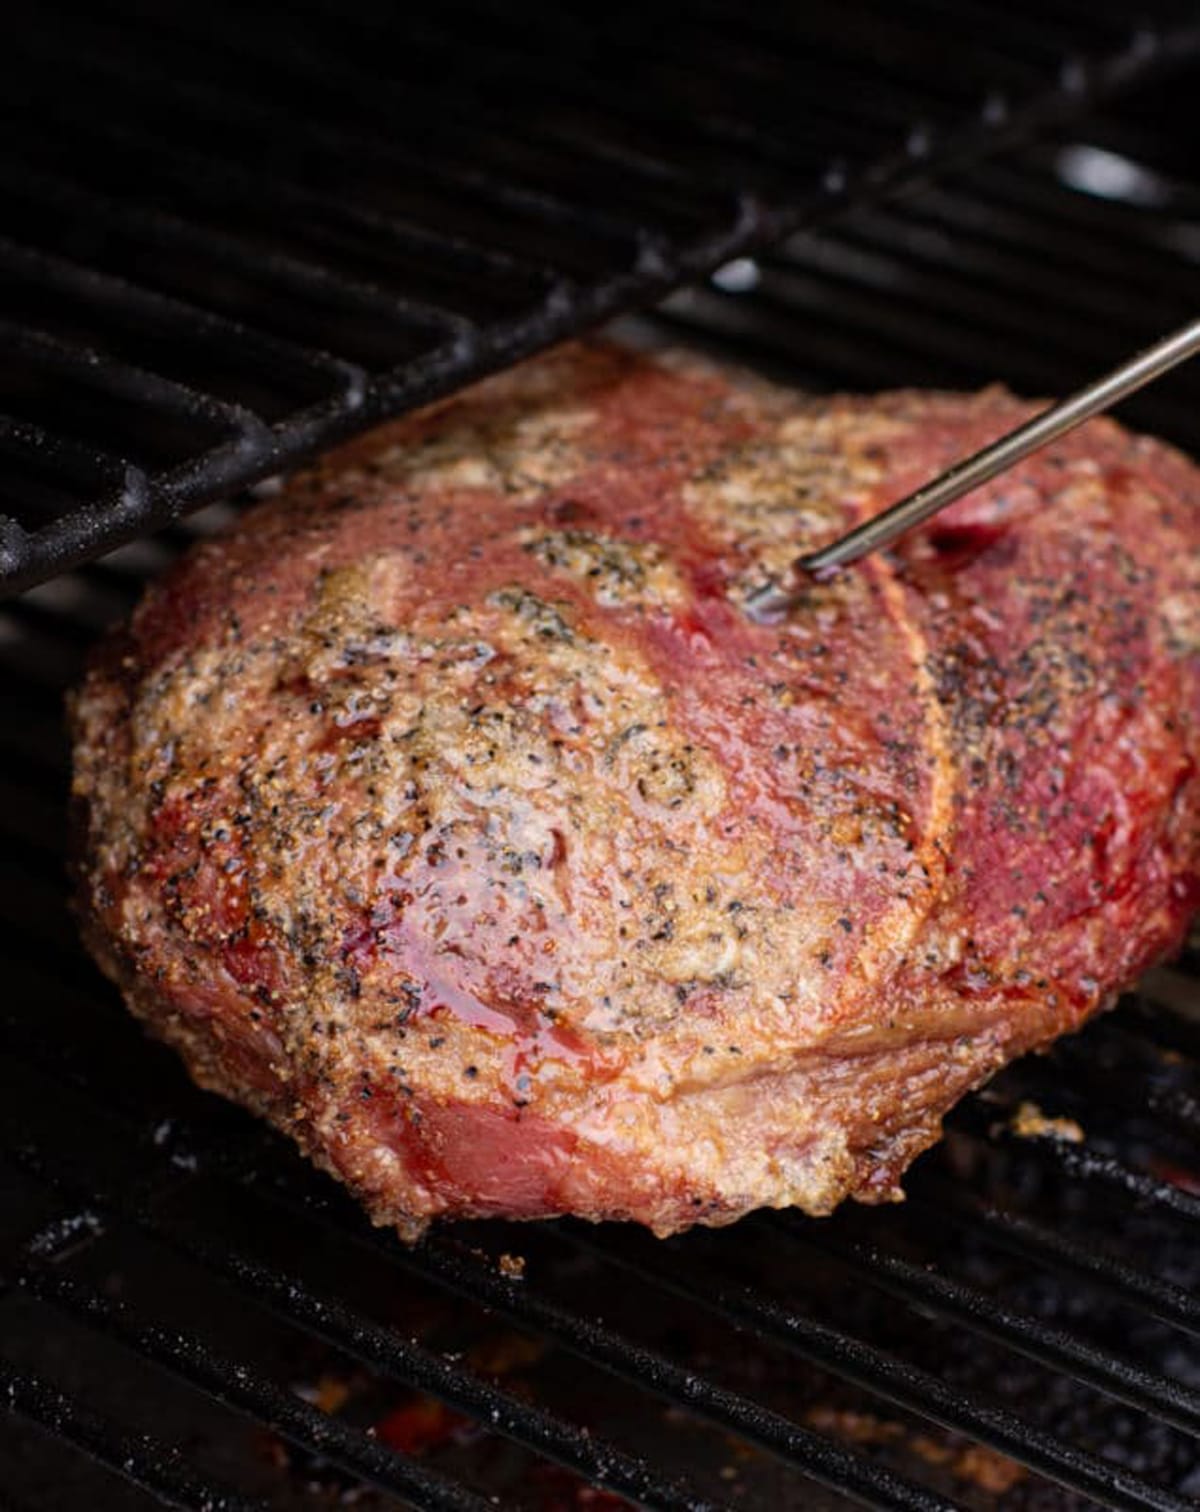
795	1037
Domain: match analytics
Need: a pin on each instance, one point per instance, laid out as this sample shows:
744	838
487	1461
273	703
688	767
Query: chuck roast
452	813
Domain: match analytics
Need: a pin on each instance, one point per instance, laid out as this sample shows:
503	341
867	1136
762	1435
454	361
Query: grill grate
230	237
190	1318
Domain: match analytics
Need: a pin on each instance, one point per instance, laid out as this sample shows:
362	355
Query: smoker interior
231	234
191	1318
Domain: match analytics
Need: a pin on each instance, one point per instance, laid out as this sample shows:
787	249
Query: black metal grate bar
72	462
139	1458
279	361
451	1266
156	396
244	165
166	232
218	184
602	1463
1089	1166
1057	1348
230	108
230	1381
1048	1247
447	1266
913	1389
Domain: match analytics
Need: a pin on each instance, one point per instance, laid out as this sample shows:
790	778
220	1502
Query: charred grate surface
190	1318
231	235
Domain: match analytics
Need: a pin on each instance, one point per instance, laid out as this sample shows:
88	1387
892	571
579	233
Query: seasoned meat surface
452	813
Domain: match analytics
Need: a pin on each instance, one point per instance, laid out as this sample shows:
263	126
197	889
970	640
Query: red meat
452	812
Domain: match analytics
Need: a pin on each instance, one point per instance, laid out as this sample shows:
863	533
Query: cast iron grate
231	235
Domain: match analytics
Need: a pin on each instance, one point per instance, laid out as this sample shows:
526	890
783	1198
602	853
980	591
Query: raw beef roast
453	813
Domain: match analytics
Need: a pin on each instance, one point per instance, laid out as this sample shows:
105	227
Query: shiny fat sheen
452	813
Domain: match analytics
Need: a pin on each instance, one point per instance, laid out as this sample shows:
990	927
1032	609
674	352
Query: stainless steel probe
776	599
